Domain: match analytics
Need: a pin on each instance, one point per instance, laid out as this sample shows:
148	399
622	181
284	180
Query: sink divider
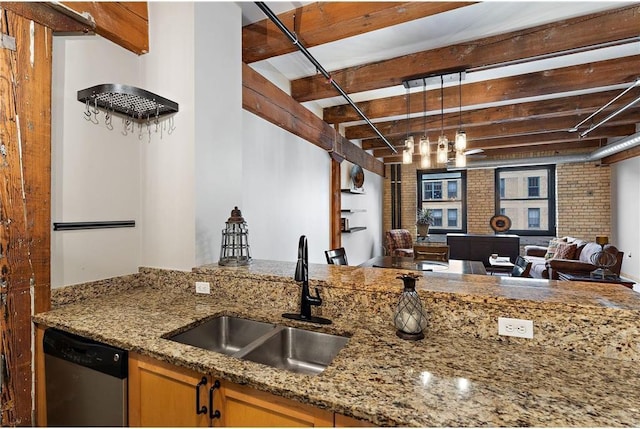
257	342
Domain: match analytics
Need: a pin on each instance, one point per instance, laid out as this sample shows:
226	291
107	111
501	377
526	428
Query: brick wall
481	203
583	200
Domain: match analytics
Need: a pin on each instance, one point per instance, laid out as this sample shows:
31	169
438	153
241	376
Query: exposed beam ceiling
533	71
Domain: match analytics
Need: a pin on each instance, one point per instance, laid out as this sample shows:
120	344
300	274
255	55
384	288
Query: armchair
399	243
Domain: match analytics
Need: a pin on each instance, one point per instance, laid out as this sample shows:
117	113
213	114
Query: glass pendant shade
424	146
425	161
461	159
461	140
409	143
443	149
407	157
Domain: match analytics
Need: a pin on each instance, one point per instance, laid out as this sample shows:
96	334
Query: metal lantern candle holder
234	250
409	318
603	260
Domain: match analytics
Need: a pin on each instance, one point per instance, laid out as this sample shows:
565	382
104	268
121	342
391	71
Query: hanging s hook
87	112
125	122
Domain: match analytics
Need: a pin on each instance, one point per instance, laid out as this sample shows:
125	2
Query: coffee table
500	264
575	277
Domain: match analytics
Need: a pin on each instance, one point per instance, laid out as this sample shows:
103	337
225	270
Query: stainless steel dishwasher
86	381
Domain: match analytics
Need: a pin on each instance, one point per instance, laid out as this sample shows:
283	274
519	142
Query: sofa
574	257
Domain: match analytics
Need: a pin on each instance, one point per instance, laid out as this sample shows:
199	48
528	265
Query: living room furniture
336	256
408	263
575	277
579	263
399	242
477	247
521	268
431	251
500	264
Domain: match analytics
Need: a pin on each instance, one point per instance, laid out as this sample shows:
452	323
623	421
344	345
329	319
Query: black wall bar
69	226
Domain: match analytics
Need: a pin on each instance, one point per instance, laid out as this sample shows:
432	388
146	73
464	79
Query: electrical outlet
203	287
515	327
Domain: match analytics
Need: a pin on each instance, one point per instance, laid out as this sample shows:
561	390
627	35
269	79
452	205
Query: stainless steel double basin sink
293	349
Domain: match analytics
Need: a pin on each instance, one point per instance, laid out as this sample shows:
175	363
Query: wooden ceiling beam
269	102
621	156
44	14
573	106
325	22
124	23
574	78
551	39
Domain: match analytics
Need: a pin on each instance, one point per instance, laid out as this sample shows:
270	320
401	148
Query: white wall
166	170
218	127
94	171
286	192
625	205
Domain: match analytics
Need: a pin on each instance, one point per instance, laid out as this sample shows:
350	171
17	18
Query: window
444	192
437	217
527	196
432	191
452	189
534	217
533	186
452	218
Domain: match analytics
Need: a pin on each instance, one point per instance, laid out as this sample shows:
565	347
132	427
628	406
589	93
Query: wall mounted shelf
353	210
355	229
352	191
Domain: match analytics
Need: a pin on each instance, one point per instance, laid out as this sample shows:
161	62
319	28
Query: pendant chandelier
443	148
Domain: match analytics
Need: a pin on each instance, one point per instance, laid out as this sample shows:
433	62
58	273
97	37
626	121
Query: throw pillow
565	251
551	248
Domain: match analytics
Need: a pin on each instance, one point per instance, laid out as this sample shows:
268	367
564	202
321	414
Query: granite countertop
443	380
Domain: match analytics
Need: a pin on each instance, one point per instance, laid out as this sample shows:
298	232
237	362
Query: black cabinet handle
199	409
213	414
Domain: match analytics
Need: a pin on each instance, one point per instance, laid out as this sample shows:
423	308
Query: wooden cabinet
244	406
161	394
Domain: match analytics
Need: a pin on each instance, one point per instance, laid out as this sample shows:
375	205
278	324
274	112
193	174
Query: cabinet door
161	394
244	406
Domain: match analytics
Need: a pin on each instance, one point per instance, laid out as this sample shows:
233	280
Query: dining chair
521	267
336	256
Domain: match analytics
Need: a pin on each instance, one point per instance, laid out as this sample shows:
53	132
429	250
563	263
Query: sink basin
293	349
297	350
224	334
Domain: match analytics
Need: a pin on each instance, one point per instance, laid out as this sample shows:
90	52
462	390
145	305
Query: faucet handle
318	295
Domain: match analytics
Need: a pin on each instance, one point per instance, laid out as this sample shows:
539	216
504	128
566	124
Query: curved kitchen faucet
306	300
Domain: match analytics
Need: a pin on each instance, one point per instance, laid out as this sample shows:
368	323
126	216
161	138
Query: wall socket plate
515	327
203	287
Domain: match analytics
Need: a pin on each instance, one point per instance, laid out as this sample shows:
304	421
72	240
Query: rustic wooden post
25	207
